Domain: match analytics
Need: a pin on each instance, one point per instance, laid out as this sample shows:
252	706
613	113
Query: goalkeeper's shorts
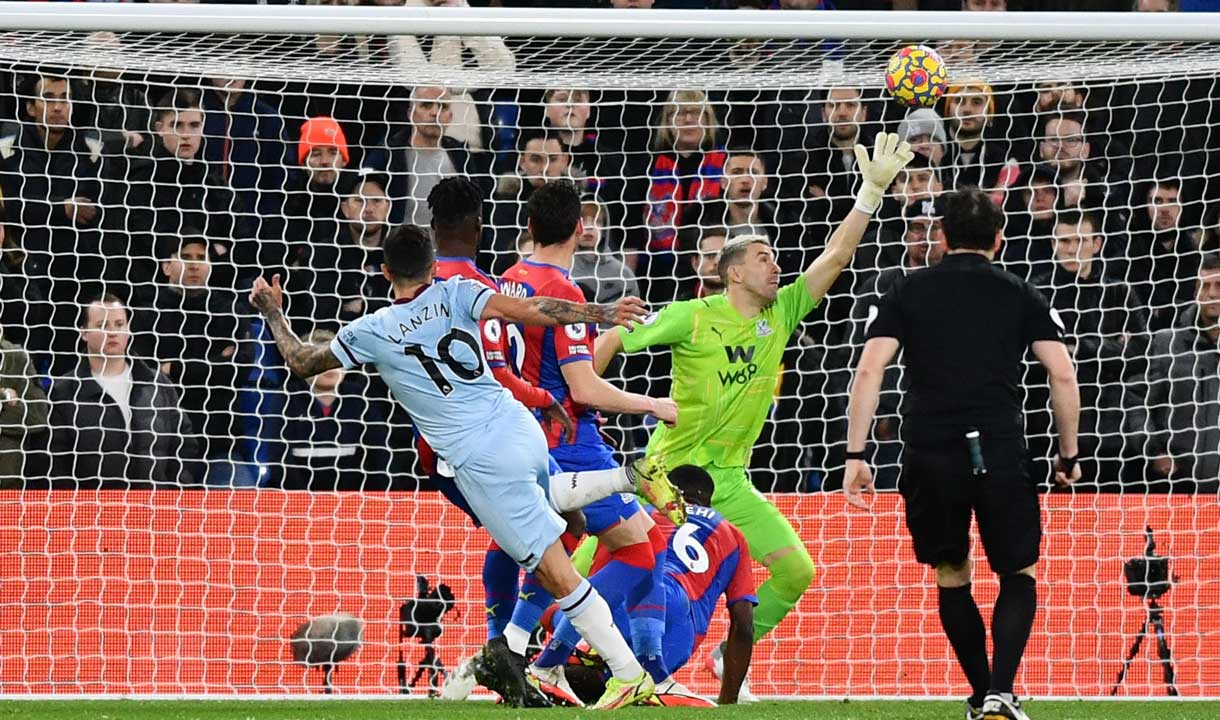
762	524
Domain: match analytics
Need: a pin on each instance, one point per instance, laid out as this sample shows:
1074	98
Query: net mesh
170	170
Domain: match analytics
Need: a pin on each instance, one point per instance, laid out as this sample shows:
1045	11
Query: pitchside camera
1148	576
421	617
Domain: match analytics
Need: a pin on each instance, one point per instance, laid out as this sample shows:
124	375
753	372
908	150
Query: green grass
391	710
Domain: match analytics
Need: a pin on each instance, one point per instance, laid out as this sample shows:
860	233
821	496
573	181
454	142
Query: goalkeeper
727	351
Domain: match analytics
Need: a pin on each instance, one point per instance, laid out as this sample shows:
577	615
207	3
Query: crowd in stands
137	210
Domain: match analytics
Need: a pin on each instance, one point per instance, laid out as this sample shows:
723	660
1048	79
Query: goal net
174	506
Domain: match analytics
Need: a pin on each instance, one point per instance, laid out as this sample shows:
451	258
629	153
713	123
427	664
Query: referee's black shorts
940	493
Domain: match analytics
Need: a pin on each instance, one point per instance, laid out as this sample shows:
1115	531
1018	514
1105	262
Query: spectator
116	422
1028	250
1164	259
1103	325
489	54
423	153
597	269
49	177
25	314
166	190
245	145
925	130
924	246
823	176
981	154
23	414
541	158
334	438
199	336
339	278
1177	418
985	5
312	208
918	182
742	207
1066	148
704	245
117	106
686	170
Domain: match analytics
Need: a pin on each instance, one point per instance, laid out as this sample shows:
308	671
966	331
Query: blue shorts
505	483
678	643
448	487
590	452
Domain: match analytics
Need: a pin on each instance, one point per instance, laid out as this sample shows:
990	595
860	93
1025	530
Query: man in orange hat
980	154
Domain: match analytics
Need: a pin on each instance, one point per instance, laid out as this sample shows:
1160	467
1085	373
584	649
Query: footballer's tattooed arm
553	311
304	359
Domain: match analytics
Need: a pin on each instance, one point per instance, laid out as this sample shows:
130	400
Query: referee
965	326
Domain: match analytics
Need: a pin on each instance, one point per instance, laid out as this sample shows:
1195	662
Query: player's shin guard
500	586
963	624
1011	622
574	490
791	575
590	615
648	615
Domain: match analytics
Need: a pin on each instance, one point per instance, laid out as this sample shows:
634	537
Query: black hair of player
103	298
554	211
695	483
1075	218
409	254
970	220
455	202
177	100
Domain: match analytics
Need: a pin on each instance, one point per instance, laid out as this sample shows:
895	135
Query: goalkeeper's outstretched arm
878	173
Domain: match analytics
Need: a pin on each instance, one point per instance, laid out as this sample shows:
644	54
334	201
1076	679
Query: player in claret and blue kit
425	346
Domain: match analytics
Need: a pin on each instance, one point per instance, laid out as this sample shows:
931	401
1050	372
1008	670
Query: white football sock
590	615
518	639
572	491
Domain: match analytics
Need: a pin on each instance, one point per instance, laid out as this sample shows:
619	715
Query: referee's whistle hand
857	479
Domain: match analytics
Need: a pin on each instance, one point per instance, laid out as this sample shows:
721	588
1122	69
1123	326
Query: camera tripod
1156	620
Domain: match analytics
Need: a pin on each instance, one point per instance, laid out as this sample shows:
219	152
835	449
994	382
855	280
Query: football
916	76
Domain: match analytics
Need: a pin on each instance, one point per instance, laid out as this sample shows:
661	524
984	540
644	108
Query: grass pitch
432	710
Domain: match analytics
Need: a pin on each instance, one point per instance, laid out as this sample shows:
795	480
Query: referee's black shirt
964	325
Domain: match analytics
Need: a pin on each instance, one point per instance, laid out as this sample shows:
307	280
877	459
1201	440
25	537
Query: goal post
172	544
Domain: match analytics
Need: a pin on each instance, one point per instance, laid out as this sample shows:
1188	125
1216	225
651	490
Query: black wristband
858	455
1067	464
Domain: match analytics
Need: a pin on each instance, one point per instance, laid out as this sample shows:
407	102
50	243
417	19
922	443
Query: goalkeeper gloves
878	173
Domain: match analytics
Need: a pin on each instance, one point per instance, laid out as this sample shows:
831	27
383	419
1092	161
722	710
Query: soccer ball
916	76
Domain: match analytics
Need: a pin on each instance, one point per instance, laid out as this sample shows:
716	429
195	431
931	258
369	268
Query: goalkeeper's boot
973	713
461	682
552	682
1003	706
503	671
623	693
715	665
652	483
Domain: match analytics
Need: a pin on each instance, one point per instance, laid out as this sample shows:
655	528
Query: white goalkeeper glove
889	156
